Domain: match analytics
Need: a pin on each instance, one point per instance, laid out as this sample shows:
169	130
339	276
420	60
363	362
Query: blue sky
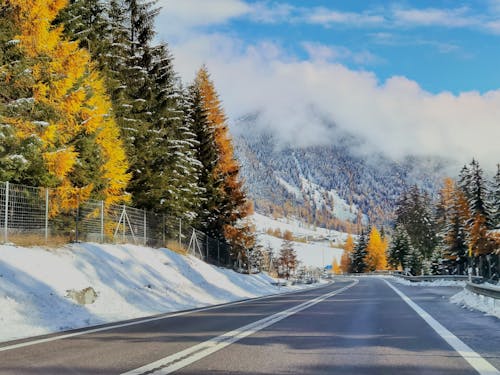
416	70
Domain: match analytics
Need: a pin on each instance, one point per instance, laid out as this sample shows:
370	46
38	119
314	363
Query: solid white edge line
192	354
145	320
481	365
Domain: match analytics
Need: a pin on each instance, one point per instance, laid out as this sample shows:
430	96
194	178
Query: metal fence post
180	233
163	229
124	227
77	217
145	228
46	215
102	221
6	219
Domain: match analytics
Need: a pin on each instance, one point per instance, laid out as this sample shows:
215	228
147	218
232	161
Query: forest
92	108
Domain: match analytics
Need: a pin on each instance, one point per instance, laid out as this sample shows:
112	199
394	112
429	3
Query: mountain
315	181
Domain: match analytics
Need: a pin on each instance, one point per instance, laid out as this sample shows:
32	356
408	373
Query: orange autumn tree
229	204
345	261
68	110
376	258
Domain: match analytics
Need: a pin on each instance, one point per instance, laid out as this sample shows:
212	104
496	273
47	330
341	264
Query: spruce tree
358	264
494	200
287	259
399	249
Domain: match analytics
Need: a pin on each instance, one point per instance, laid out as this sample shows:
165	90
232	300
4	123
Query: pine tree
455	231
358	264
494	200
399	249
287	259
413	261
85	21
414	213
475	189
375	257
67	111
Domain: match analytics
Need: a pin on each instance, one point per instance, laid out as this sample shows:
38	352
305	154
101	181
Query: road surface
363	326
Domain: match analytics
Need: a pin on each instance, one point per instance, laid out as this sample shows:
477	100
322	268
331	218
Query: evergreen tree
414	213
287	259
85	21
473	186
494	200
358	264
413	261
399	249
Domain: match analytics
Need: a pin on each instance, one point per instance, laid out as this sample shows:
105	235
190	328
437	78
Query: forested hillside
358	187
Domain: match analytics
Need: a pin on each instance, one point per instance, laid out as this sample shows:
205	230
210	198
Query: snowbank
466	298
436	283
131	282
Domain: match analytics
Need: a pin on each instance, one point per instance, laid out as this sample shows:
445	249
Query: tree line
457	230
91	106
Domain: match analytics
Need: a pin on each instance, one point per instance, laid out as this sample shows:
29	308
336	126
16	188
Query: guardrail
476	279
484	290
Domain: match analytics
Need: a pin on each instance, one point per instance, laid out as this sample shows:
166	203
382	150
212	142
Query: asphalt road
365	329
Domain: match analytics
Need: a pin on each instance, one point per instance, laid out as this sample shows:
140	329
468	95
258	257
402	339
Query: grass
176	247
36	239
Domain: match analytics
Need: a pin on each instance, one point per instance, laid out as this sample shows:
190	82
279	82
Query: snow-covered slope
131	281
337	176
315	252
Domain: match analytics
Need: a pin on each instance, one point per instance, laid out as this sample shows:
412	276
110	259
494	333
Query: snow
436	283
298	228
131	281
488	305
311	255
292	189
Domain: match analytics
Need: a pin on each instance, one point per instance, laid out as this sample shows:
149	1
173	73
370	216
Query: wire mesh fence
28	217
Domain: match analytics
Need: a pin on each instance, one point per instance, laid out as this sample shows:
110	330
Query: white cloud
328	17
321	52
435	17
293	97
273	13
181	16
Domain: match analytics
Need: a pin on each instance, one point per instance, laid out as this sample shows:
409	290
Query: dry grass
176	247
34	239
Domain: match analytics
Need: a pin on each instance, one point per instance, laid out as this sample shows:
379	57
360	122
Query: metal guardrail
484	290
476	279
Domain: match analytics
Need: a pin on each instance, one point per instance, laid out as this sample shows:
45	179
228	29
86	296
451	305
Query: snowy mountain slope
338	177
131	282
315	252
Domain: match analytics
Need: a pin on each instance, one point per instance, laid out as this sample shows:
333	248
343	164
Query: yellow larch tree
345	261
71	113
376	257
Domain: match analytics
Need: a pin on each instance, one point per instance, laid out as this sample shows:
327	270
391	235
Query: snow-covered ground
428	283
317	252
131	281
488	305
464	298
298	228
309	254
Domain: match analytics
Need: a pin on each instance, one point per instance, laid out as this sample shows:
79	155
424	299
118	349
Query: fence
27	217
